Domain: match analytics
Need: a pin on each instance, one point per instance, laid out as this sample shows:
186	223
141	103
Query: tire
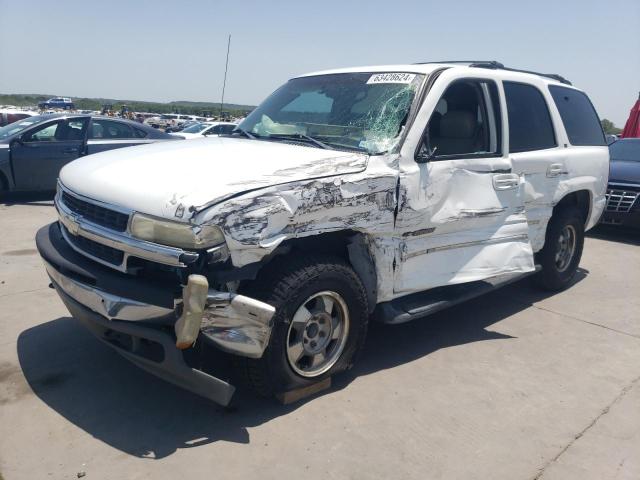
562	250
289	284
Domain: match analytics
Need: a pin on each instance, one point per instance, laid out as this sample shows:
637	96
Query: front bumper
629	219
151	349
130	315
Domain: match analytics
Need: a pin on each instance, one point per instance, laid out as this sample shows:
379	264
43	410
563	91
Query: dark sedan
623	206
33	150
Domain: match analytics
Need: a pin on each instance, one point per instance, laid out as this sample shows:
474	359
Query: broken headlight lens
175	234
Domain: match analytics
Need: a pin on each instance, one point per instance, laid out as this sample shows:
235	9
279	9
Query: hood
624	171
157	178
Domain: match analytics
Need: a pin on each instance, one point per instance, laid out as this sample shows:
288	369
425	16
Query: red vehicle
8	116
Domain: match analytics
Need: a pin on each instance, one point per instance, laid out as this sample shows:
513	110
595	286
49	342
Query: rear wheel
562	250
319	326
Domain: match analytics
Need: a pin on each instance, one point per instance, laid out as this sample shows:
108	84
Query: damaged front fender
255	224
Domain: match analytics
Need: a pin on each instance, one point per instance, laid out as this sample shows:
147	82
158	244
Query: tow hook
194	298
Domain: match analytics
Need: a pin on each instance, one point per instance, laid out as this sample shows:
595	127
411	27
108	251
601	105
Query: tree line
184	107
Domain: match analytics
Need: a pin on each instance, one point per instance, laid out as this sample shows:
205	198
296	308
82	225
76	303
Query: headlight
175	234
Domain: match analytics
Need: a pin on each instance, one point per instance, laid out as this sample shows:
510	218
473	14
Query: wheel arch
580	199
349	245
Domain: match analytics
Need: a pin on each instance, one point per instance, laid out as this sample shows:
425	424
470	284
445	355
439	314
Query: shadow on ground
27	198
615	234
112	400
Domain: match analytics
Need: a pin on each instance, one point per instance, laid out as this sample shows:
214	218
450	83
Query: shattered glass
352	111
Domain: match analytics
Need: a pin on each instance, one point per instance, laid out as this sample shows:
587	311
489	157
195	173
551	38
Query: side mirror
427	156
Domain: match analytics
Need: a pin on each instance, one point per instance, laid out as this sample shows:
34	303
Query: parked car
169	120
384	193
181	127
62	103
203	129
33	150
10	115
610	138
623	206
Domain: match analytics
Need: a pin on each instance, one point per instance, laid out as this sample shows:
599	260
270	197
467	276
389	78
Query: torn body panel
255	224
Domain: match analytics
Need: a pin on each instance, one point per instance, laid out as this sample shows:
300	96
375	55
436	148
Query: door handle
71	150
506	181
555	169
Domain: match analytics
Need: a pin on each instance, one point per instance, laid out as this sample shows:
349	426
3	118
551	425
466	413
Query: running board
422	304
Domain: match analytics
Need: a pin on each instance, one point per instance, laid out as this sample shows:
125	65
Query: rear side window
578	115
108	129
530	126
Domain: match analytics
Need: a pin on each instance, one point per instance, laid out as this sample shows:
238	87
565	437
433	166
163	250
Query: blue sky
174	50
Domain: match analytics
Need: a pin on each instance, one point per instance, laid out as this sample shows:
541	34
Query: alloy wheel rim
317	334
566	247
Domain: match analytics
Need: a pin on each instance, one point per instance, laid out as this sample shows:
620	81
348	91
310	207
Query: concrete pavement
514	385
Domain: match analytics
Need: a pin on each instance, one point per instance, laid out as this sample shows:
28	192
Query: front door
461	210
42	151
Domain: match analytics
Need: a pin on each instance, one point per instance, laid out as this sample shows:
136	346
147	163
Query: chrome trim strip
637	185
490	241
121	141
77	225
106	304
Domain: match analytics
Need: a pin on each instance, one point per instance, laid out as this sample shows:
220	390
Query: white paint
154	178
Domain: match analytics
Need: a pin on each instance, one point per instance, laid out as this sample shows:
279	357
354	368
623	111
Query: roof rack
495	65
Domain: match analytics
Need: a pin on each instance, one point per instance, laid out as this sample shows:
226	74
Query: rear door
42	151
106	134
537	153
461	211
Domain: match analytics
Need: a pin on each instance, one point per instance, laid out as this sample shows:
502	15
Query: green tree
609	128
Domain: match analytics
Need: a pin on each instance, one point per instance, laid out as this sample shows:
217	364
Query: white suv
383	193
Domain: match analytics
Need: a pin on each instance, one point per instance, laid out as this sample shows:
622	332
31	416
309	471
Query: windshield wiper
302	136
243	132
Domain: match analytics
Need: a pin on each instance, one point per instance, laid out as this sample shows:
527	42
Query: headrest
458	124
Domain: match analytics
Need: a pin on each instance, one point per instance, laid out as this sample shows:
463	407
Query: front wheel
319	326
562	250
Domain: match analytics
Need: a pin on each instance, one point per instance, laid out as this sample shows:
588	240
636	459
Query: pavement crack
23	291
577	437
585	321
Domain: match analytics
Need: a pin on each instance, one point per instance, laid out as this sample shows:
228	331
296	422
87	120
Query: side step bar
422	304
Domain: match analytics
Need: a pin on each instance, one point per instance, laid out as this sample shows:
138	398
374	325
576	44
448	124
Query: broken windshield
359	111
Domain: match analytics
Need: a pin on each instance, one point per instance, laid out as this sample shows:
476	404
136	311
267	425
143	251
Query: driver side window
45	133
465	124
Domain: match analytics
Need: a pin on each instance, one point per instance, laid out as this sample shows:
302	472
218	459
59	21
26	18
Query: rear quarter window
530	126
579	117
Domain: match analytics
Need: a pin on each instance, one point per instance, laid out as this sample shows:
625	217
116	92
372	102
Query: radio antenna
224	83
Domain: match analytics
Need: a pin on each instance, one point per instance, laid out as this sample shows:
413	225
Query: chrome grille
620	200
105	253
95	213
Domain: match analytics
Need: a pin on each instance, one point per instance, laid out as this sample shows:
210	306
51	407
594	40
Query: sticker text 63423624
391	78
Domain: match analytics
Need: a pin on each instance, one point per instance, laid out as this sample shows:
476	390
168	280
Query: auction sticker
391	78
